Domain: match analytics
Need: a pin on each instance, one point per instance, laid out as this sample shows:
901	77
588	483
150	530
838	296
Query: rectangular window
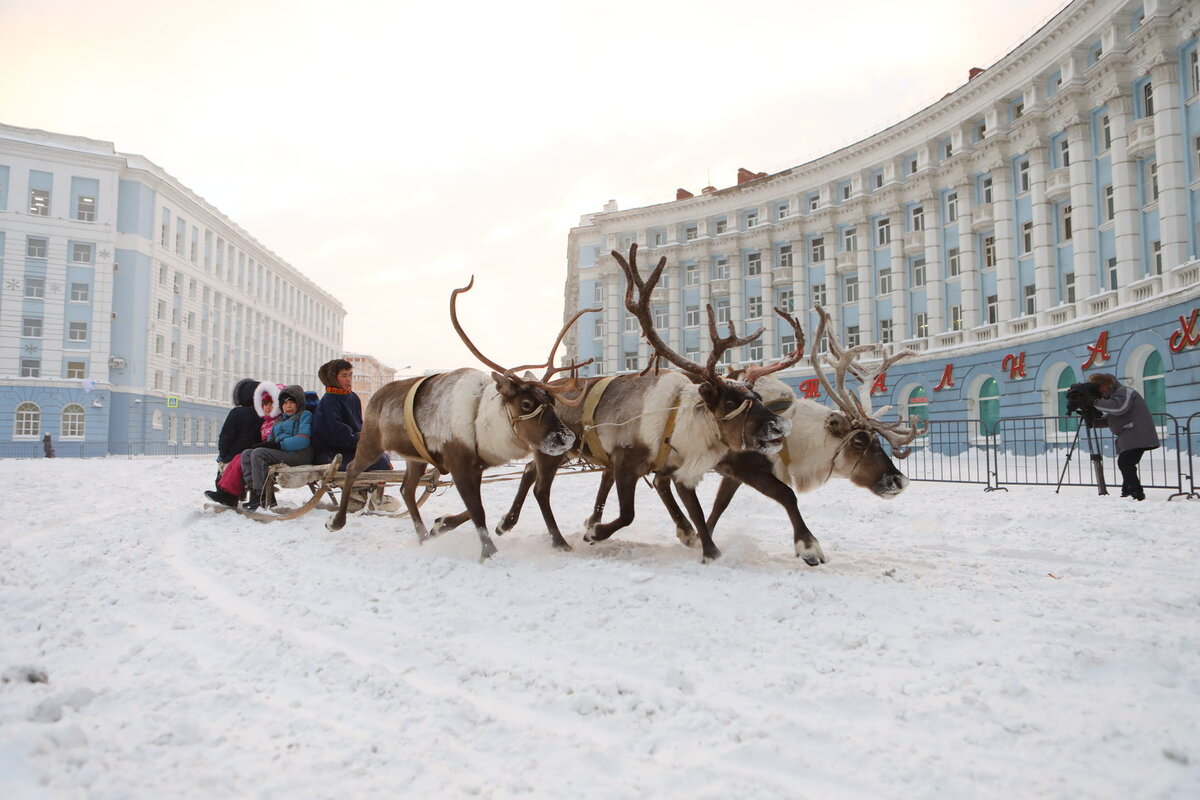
989	252
39	202
1148	99
1066	223
921	324
956	318
985	187
35	247
1110	208
787	300
1030	293
81	253
846	191
1023	175
885	331
659	239
912	165
918	273
161	310
31	368
1194	61
1069	285
787	344
1018	110
722	312
1105	133
754	307
1152	181
165	232
947	150
720	227
817	249
1064	151
690	233
85	208
993	309
691	317
631	361
885	281
159	344
850	240
77	331
851	289
752	219
1112	274
818	294
631	326
883	232
80	292
691	275
661	321
953	262
952	207
917	218
754	264
853	336
35	288
814	201
720	269
31	326
75	369
782	210
1156	253
878	180
755	351
1026	238
785	255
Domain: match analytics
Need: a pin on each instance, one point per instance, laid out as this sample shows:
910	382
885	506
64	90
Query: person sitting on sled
290	443
251	430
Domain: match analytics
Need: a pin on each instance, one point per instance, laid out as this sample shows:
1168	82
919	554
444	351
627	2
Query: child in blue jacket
290	443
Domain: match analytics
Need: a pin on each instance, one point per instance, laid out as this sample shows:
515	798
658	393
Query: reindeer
461	422
824	442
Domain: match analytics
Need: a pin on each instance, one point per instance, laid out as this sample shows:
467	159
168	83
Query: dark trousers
1127	462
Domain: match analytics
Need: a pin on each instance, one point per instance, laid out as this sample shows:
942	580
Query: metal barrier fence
75	449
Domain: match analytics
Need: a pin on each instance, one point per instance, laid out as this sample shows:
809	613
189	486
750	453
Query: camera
1080	397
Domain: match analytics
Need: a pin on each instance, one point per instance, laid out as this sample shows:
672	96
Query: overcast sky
390	150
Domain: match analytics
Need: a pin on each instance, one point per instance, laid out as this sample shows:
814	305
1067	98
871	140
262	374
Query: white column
1044	273
899	287
674	275
935	268
613	324
769	320
968	262
1125	194
1169	152
737	304
1083	209
1006	262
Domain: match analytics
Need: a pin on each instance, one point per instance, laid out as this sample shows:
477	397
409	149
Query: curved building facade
131	306
1033	226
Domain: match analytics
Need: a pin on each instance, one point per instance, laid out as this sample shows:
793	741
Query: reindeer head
529	403
743	422
860	455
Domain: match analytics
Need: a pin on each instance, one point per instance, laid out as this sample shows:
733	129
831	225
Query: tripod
1096	456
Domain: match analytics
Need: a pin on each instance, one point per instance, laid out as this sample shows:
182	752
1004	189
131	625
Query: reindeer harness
591	440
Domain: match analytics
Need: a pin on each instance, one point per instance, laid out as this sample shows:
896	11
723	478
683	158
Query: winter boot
254	503
223	497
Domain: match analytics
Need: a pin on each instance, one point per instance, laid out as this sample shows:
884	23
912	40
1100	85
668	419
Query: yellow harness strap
410	422
664	447
591	439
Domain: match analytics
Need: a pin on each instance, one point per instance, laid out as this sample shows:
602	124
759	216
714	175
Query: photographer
1130	422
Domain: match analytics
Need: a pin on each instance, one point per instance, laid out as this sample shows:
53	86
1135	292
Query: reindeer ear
838	425
505	385
710	394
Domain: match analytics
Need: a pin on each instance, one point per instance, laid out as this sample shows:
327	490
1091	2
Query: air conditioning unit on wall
116	362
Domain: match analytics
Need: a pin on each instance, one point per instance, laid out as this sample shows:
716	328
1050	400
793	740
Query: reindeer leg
683	529
754	470
625	479
606	484
413	470
725	493
466	480
547	468
363	457
514	511
449	522
692	503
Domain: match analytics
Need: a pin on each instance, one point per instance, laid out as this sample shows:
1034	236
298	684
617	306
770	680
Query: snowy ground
958	644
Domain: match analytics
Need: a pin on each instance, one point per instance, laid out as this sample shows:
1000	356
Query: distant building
1037	224
369	375
130	306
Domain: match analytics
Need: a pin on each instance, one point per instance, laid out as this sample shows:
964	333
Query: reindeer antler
641	309
463	334
856	407
756	372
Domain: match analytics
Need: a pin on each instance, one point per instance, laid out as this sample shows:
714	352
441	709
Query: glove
269	445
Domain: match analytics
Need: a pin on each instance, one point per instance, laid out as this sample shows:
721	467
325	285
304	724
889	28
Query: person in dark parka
290	443
1131	423
241	428
338	419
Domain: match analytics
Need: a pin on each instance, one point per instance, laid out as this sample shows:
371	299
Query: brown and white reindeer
678	425
461	422
823	441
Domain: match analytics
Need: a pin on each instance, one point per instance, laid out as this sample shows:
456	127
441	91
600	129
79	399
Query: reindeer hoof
332	524
688	537
562	544
438	527
812	553
488	551
711	556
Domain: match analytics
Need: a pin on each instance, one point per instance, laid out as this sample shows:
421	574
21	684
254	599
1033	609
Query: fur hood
296	393
272	391
243	392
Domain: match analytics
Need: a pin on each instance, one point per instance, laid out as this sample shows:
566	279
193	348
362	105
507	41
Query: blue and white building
1036	225
129	306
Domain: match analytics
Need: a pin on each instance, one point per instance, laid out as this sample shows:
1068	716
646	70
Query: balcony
951	339
1142	290
1100	303
718	287
847	261
1058	183
984	334
1021	325
983	217
914	242
1057	316
660	295
1141	137
782	274
1185	275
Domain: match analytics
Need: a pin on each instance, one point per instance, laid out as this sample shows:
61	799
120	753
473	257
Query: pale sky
390	150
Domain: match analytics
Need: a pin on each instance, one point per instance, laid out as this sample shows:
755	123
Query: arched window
156	419
989	406
917	405
1066	379
1154	384
72	421
28	421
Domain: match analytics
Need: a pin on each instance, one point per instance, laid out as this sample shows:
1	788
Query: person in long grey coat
1130	421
